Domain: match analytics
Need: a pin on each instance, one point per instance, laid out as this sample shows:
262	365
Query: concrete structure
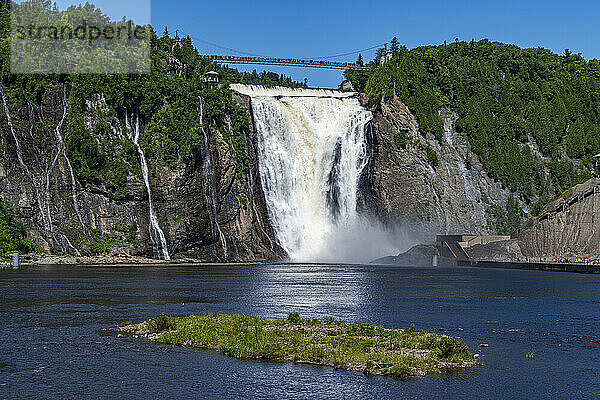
211	77
471	241
454	246
16	261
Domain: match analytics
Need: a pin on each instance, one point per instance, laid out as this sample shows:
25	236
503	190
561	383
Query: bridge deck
288	62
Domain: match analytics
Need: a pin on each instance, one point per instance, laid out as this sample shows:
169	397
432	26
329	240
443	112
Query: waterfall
38	184
312	151
12	130
210	190
62	149
157	236
253	201
41	183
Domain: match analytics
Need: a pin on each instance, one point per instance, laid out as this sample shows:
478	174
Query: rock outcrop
503	251
417	256
412	183
403	186
568	227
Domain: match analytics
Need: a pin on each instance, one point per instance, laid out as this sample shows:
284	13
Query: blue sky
309	28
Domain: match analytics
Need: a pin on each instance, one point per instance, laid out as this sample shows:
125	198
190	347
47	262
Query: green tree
13	235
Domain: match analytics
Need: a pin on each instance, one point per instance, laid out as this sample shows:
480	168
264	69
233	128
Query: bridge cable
348	54
222	47
262	55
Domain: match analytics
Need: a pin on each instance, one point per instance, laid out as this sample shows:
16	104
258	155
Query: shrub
447	347
400	139
294	318
13	235
162	323
432	157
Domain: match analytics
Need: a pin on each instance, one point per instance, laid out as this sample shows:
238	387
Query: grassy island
371	349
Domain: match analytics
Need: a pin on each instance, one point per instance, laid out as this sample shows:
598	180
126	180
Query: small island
373	350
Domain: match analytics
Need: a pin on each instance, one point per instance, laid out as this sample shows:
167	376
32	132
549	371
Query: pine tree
395	46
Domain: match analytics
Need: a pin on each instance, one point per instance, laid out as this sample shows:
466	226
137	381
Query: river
52	343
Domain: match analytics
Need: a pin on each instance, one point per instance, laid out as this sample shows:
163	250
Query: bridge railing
286	62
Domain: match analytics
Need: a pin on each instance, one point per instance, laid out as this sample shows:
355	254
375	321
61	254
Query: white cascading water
62	149
41	182
157	236
210	190
312	150
38	183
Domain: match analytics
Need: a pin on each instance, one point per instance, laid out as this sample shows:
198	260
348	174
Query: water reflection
52	343
310	290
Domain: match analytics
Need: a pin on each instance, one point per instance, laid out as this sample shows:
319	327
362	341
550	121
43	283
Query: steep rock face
504	251
64	216
241	209
568	227
209	212
402	186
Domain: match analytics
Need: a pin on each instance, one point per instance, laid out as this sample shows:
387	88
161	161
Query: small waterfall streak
46	219
209	188
12	130
63	150
157	236
38	182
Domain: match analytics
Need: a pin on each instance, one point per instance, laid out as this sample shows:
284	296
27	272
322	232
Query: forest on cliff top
531	116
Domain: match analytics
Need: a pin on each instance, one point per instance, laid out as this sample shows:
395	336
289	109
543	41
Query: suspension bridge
233	56
289	62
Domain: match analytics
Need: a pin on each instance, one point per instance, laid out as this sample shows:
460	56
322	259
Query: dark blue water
52	344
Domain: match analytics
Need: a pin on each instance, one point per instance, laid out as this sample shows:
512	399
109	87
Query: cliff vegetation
13	234
166	101
531	116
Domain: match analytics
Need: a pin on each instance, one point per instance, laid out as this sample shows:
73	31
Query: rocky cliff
568	227
204	208
425	186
